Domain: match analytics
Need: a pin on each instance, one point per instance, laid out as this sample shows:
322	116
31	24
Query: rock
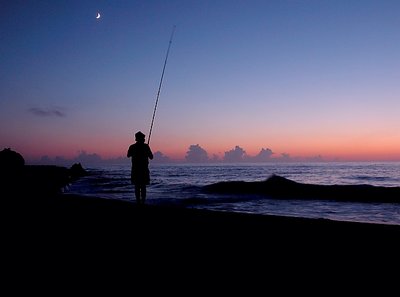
11	160
76	171
33	182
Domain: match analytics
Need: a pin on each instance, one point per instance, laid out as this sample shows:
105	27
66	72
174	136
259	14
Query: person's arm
150	153
129	153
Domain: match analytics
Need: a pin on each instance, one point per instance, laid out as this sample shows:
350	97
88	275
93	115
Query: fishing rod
159	86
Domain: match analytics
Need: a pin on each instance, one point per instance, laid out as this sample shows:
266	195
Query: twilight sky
299	77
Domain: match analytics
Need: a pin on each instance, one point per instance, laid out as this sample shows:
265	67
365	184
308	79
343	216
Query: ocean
181	184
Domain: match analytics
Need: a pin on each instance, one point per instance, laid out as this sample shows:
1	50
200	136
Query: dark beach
35	200
42	227
47	213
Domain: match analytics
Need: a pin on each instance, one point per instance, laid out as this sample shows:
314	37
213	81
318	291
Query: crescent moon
98	15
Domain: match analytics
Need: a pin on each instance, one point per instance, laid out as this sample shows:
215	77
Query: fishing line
159	86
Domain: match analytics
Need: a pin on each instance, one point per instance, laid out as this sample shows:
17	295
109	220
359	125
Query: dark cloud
86	158
41	112
285	157
196	154
317	158
214	158
83	157
235	155
263	156
159	157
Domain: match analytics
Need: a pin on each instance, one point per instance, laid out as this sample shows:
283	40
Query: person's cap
139	135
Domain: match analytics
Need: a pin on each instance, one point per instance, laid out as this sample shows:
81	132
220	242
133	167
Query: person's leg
143	193
137	193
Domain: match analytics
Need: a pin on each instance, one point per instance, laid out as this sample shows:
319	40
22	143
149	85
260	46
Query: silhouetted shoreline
39	189
39	211
72	237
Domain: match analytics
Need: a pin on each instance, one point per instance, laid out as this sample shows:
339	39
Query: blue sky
302	78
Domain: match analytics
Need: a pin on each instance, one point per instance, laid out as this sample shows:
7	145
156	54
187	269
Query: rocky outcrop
33	181
77	171
11	162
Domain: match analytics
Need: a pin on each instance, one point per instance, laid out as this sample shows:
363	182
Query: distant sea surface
181	184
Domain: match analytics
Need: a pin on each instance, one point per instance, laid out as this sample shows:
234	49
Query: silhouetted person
140	153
